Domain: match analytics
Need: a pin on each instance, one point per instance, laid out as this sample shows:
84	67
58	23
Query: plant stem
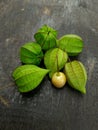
57	62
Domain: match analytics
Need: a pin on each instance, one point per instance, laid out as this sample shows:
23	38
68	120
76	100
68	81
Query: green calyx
76	75
46	37
28	77
55	60
31	53
71	43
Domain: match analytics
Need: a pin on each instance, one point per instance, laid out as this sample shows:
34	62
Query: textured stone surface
48	108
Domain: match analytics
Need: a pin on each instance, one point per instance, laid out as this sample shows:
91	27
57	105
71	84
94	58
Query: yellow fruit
58	79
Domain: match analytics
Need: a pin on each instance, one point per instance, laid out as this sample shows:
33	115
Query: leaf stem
57	63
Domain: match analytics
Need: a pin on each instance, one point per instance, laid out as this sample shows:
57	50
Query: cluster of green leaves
55	55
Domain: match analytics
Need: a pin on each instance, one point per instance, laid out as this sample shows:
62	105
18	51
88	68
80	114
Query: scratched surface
47	108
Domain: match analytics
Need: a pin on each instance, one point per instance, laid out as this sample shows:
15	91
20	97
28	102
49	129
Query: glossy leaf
71	43
76	75
31	53
28	77
46	37
55	60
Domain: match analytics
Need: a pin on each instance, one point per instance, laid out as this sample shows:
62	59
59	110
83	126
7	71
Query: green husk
28	77
55	60
76	75
71	43
46	37
31	53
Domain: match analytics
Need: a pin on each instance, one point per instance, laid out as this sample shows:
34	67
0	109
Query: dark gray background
48	108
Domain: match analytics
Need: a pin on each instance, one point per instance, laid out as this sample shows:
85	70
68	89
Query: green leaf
28	77
71	43
76	75
46	37
55	60
31	53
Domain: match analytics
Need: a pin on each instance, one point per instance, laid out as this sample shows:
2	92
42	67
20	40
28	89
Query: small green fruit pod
46	37
71	43
31	53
